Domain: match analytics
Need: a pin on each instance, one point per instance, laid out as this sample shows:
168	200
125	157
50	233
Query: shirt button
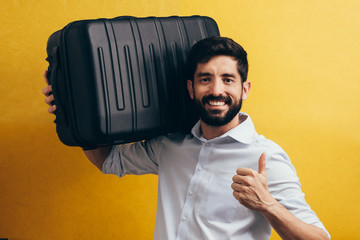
183	219
199	169
191	193
207	144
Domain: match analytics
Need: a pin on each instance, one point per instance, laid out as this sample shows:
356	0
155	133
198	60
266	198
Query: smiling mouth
216	103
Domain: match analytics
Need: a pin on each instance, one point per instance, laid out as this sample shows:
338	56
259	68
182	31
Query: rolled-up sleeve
135	158
285	187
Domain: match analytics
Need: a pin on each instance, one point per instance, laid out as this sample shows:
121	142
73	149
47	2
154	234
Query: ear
190	88
245	90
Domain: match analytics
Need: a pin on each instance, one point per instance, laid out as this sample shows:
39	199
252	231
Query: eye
228	80
204	80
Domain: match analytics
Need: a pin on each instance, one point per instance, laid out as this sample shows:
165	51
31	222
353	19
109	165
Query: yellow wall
304	65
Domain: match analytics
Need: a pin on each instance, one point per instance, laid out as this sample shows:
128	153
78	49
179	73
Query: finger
241	196
49	99
242	180
52	109
244	171
236	195
45	77
235	186
46	90
236	178
238	187
262	164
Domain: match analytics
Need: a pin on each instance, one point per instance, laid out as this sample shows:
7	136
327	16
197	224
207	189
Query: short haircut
210	47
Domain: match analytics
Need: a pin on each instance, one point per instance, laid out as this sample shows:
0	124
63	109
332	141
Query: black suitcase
122	80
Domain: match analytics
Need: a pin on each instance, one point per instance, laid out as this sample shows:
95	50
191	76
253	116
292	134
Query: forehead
218	65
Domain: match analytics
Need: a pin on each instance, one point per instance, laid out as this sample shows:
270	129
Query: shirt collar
242	133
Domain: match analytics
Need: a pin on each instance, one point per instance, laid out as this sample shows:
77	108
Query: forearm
97	156
290	227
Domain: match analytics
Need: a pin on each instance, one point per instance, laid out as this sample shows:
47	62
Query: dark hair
210	47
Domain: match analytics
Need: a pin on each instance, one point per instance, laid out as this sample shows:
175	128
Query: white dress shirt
195	199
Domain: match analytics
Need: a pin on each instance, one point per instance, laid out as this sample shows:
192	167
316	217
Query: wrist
270	207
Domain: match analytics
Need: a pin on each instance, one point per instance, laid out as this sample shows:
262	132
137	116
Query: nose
217	87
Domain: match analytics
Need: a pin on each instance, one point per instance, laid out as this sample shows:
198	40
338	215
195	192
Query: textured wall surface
304	67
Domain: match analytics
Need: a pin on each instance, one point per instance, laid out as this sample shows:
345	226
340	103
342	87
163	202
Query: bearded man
222	180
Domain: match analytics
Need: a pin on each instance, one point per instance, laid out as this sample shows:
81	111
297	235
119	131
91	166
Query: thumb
262	164
45	77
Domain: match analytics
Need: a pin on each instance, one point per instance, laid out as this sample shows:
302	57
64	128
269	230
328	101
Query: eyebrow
203	74
206	74
228	75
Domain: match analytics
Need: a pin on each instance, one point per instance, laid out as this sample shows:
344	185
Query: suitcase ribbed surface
121	80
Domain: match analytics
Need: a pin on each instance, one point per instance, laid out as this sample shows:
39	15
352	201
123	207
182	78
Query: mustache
208	98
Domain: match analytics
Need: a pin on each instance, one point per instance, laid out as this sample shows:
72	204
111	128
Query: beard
212	117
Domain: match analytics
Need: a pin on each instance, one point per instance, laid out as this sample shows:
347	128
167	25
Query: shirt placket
187	216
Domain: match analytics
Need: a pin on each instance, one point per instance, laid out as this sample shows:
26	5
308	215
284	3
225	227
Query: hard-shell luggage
122	80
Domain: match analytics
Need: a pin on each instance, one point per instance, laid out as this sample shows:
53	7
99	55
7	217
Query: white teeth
216	103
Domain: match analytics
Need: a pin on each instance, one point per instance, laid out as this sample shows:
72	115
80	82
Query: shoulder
276	158
278	164
170	138
268	145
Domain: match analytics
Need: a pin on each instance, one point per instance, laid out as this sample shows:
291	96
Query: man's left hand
250	187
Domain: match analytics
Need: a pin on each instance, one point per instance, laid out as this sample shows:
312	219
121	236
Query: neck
210	132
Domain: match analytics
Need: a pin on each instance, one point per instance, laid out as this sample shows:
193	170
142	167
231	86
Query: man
199	197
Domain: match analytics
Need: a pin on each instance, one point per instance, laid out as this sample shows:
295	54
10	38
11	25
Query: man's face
217	90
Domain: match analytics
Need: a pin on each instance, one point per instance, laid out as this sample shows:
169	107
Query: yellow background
305	69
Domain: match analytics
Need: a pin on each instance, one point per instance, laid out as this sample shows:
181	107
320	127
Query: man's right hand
49	97
96	156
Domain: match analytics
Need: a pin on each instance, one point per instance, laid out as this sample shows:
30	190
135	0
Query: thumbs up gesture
250	187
